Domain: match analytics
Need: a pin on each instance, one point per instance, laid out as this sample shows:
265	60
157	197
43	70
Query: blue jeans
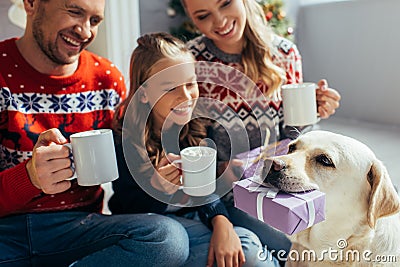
273	240
199	241
90	239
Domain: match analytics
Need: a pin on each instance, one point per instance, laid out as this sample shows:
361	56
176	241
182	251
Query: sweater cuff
217	210
20	188
209	211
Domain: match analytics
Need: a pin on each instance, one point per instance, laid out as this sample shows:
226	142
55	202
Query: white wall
118	33
355	44
7	29
292	6
153	16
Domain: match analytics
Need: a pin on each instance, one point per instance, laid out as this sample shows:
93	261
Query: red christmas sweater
30	103
234	101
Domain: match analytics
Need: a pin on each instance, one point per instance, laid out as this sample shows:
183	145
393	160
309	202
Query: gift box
252	165
287	212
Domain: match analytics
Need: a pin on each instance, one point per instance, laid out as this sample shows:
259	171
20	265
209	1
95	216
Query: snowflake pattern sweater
241	115
30	103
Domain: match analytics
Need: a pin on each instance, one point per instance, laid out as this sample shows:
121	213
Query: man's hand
50	164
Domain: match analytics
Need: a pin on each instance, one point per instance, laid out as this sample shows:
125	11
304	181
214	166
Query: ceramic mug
93	156
199	170
299	104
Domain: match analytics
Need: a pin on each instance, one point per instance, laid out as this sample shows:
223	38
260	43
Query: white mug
199	170
299	104
93	156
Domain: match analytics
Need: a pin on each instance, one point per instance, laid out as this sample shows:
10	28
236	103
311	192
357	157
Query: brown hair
152	48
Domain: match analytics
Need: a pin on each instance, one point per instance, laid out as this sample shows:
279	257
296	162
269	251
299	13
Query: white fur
362	206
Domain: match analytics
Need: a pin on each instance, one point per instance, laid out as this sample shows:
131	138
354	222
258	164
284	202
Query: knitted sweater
242	114
32	102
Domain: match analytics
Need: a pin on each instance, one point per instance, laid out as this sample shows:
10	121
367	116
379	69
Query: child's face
172	91
223	21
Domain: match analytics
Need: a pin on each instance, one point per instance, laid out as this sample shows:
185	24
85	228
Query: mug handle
175	162
74	176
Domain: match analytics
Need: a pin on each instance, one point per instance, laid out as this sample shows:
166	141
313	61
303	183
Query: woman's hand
225	246
327	99
167	177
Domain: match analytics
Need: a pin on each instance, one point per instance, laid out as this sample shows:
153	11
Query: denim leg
14	242
271	238
199	241
59	239
256	255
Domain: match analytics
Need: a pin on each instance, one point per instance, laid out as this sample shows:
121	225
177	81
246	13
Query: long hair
258	52
152	48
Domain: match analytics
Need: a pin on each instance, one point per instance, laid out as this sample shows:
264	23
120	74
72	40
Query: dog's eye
325	161
292	148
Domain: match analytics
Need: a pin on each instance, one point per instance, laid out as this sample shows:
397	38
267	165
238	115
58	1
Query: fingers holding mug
49	164
328	102
167	176
73	174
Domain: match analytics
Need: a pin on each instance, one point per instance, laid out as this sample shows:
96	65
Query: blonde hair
152	48
257	50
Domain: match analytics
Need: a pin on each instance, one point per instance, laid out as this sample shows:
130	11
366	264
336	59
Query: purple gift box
251	167
287	212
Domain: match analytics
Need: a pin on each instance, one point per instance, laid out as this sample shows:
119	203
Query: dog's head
342	167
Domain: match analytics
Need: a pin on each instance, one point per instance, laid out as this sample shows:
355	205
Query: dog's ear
383	200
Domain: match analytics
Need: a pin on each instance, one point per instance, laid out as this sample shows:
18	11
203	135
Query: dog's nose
278	164
273	171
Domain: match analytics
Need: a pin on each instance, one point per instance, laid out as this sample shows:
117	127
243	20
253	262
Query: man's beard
49	49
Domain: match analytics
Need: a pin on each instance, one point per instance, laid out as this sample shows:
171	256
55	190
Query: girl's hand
167	176
225	246
327	99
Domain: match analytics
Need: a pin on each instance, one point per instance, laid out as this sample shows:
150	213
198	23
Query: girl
152	125
235	33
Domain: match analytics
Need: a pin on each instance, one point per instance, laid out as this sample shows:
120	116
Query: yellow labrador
362	206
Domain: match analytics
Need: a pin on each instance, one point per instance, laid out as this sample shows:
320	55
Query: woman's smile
226	30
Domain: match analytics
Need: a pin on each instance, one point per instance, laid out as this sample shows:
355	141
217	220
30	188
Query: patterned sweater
235	102
30	103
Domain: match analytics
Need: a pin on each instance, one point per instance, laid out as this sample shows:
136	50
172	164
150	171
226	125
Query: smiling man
50	88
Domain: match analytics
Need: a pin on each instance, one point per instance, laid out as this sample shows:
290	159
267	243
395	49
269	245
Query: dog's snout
272	170
278	164
274	165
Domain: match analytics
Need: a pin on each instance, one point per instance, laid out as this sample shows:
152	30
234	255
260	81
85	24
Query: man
50	87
